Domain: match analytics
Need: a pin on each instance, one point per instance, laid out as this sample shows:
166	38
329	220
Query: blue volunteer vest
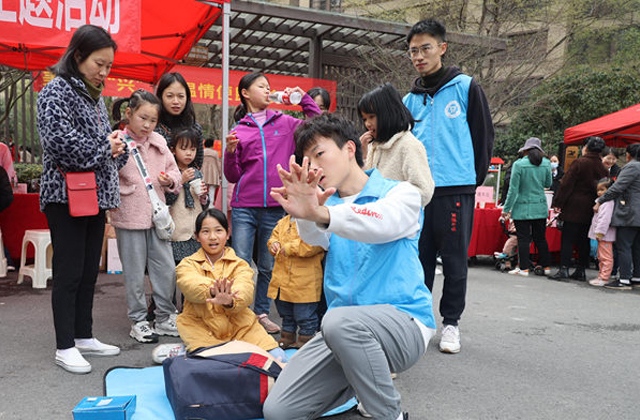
359	273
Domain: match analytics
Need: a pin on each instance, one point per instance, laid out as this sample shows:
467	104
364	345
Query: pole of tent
226	12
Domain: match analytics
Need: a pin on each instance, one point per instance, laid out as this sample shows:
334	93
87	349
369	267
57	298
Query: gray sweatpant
140	249
354	354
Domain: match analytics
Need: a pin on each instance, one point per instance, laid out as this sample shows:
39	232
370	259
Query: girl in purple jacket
602	230
261	140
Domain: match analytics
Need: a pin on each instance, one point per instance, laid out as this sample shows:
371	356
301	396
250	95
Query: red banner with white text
50	23
205	85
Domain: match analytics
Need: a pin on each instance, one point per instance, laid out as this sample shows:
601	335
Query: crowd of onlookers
594	201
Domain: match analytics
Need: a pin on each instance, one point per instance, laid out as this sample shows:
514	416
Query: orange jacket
297	270
203	324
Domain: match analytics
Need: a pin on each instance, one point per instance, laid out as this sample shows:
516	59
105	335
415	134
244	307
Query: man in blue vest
454	124
379	318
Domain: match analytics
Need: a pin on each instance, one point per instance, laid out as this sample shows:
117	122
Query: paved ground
532	349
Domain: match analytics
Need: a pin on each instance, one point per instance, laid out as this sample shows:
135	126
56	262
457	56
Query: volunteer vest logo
452	110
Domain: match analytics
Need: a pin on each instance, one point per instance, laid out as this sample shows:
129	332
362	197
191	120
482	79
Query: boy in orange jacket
296	283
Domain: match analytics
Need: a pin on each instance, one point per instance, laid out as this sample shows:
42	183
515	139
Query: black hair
326	125
85	40
209	142
535	156
610	151
594	144
190	135
607	182
245	83
216	214
392	115
188	116
135	101
323	93
634	150
431	27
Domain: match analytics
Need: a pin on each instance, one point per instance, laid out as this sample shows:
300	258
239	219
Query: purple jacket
601	222
253	165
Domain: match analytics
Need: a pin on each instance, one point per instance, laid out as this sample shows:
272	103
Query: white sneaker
450	340
165	351
72	361
167	327
93	347
142	332
518	272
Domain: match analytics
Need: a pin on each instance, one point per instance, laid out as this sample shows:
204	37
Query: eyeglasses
422	49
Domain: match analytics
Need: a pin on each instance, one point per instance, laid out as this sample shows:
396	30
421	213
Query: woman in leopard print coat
76	137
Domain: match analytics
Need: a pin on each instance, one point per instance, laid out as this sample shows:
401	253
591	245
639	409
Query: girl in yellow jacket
296	283
218	289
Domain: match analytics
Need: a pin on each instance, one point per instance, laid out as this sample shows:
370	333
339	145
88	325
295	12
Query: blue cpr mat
147	384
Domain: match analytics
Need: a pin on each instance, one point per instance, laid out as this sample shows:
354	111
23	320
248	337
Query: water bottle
280	97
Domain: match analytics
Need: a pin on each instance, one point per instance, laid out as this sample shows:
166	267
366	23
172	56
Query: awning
168	31
617	129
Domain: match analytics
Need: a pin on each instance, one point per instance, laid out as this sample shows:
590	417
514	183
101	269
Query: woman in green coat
527	204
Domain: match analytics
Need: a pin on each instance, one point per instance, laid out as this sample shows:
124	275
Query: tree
568	100
537	34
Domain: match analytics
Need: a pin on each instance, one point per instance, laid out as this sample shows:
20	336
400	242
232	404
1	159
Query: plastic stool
3	259
40	271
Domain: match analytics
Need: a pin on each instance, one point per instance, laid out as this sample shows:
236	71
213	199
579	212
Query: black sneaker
405	416
618	285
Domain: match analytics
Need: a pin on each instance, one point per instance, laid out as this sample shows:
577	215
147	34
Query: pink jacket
135	207
601	222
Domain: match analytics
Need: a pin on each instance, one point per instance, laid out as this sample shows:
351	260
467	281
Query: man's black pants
448	223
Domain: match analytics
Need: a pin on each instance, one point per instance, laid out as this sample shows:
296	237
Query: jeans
294	315
256	224
526	230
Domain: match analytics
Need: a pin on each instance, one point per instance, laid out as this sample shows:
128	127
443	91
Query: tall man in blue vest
455	126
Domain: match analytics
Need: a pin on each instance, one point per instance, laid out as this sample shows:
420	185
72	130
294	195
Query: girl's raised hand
365	139
232	142
298	89
117	145
188	174
221	293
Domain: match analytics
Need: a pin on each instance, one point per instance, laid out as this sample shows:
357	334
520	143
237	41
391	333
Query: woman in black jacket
574	200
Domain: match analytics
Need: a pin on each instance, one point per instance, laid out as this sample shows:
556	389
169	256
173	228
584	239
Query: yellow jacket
203	324
297	272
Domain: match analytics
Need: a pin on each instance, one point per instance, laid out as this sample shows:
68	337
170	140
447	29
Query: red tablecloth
23	213
488	235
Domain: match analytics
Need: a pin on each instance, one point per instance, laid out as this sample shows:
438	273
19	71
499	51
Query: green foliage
568	100
27	171
611	45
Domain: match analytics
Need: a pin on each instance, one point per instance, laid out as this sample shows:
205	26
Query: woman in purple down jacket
261	140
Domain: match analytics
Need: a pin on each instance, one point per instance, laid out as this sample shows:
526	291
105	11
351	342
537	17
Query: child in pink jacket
602	230
139	246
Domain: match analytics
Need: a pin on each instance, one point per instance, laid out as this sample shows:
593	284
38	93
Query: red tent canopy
617	129
168	30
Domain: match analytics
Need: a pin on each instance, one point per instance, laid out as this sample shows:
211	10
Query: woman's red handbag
82	191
